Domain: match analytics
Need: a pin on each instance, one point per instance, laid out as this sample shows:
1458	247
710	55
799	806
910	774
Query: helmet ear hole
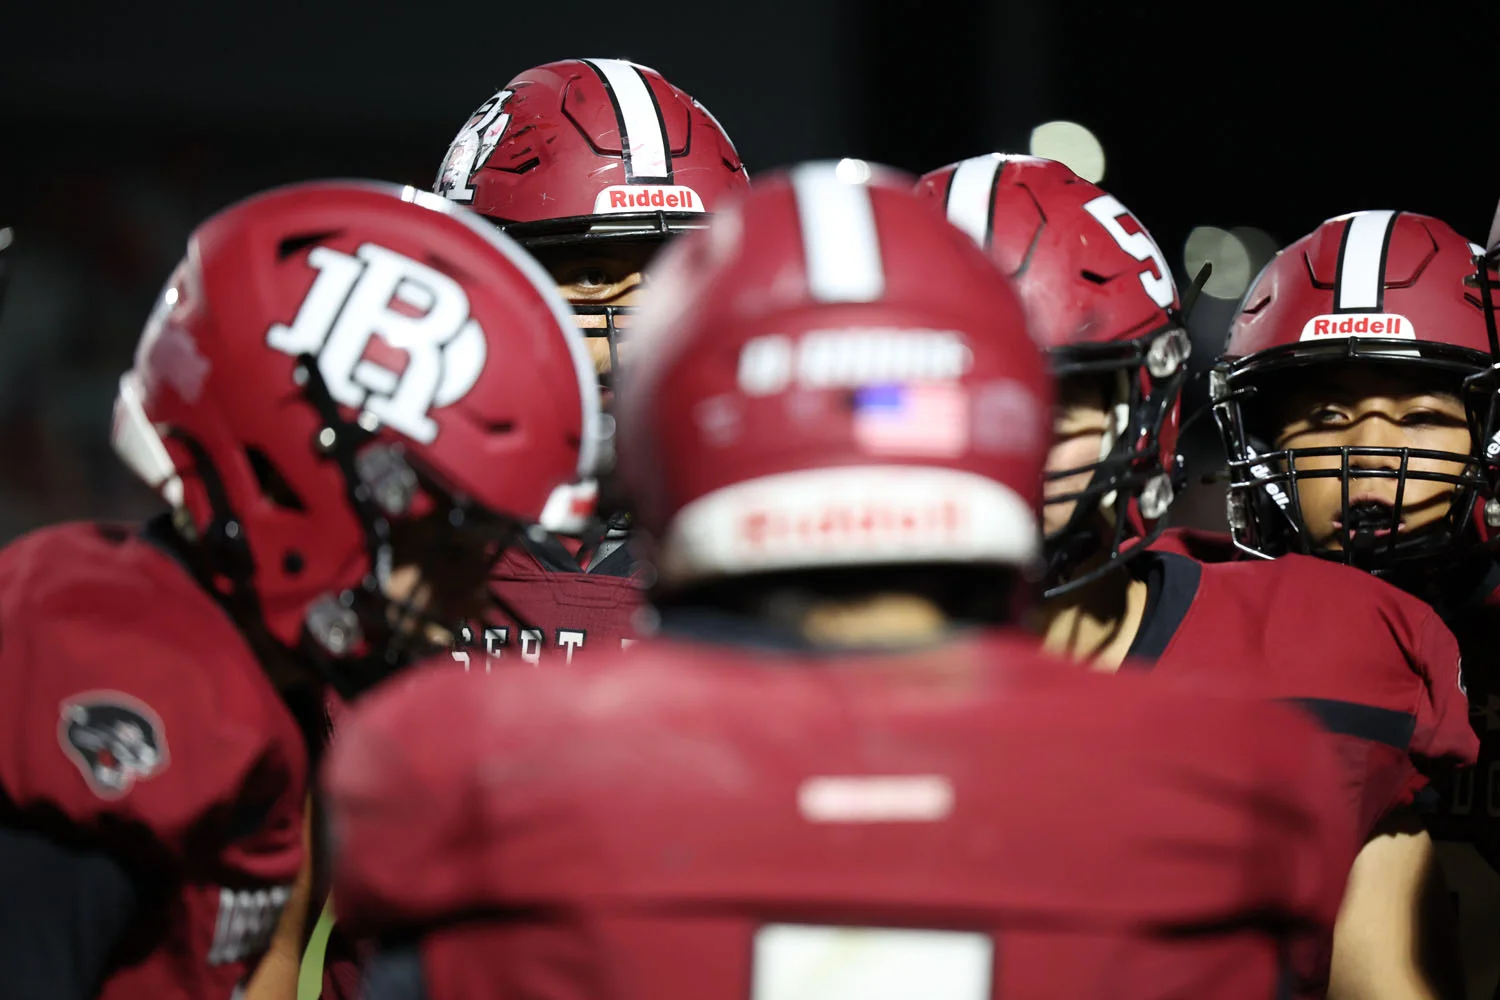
273	486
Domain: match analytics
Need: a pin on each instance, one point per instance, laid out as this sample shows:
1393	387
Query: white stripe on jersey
839	238
1360	279
640	120
969	195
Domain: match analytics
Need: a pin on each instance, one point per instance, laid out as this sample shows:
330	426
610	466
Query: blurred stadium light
1222	249
1071	144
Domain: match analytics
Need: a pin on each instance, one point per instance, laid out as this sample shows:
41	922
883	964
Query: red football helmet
340	372
584	150
1100	297
832	376
1393	289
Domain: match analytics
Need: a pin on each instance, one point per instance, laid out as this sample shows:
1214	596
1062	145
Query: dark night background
123	125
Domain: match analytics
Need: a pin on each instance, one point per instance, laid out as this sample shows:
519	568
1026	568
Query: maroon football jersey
570	609
711	822
1204	546
1465	812
1377	666
136	719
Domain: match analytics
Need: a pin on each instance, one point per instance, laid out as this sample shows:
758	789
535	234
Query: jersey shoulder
1334	600
1277	807
1200	546
731	745
1346	642
131	696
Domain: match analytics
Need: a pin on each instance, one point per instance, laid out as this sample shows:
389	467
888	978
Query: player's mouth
1369	519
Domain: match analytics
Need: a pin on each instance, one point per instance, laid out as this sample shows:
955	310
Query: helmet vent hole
1095	277
296	244
1251	308
272	484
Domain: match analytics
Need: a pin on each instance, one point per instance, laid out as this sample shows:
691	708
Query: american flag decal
919	419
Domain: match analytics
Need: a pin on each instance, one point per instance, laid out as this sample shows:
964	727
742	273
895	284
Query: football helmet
1391	289
1100	298
831	376
344	379
586	150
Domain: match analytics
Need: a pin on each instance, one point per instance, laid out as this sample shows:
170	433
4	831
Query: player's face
606	275
1082	418
1366	407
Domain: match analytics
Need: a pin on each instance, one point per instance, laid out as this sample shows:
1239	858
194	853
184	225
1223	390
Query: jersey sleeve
1379	670
400	786
120	735
1229	804
1441	733
380	810
1308	838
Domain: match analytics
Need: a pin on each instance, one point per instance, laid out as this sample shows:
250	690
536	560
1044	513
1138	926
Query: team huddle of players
922	699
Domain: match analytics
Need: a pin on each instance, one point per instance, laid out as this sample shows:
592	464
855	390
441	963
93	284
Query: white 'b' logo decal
353	300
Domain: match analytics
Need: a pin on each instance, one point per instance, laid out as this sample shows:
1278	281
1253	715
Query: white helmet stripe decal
839	237
1360	284
971	196
643	135
1495	230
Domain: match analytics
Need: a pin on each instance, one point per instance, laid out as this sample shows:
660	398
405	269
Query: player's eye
1429	418
590	277
1324	416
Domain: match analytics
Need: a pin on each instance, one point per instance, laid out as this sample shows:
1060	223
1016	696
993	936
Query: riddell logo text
838	525
1359	325
647	197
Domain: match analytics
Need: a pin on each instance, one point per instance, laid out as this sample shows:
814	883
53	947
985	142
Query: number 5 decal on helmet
1108	210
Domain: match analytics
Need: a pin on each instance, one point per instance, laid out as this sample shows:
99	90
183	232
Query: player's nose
1377	439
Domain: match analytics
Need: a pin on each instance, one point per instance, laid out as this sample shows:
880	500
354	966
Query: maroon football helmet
584	150
1392	289
1100	297
345	378
831	376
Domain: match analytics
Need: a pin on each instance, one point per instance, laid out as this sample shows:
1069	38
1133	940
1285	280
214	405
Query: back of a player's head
832	381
